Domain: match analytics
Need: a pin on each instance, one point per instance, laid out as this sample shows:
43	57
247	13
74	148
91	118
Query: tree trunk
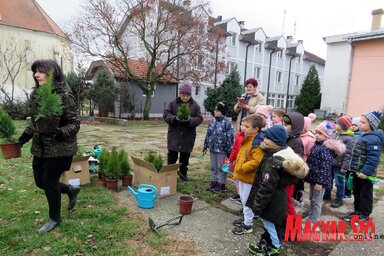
147	105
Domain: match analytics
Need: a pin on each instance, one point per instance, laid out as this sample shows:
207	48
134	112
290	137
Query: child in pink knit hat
308	139
320	168
265	111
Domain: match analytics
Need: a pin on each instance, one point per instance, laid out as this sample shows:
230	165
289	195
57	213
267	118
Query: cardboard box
164	180
78	174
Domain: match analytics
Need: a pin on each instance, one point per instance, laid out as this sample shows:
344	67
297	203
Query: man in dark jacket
268	197
182	132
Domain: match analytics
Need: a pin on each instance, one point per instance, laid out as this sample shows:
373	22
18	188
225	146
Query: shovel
172	222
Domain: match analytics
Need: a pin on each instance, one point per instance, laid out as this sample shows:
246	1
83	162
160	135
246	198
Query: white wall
43	46
334	88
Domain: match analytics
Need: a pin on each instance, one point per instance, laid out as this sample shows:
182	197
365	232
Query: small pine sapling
184	111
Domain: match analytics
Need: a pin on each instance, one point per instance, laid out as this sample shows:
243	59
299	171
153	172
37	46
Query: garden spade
171	222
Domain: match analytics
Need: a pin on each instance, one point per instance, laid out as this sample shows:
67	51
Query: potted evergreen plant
10	147
183	112
125	168
112	171
156	160
50	107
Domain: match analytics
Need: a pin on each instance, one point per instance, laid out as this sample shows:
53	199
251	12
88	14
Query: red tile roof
137	67
27	14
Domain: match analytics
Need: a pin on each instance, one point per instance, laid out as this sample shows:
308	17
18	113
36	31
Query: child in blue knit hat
365	158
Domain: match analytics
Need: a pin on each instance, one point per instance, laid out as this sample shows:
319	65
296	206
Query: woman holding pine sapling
183	115
53	147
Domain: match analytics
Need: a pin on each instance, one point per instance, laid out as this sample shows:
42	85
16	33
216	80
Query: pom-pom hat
326	128
344	122
373	119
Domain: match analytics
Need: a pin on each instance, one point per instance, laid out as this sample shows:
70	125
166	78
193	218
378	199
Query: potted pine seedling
183	112
50	107
103	164
125	168
113	170
9	146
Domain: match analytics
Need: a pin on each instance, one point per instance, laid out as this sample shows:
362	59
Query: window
258	48
197	90
272	97
280	101
232	39
278	76
297	80
256	72
280	54
231	66
290	101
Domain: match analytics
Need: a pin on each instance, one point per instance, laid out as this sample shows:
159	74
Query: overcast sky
314	19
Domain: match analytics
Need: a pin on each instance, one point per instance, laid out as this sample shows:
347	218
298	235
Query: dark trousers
347	192
47	172
363	193
184	160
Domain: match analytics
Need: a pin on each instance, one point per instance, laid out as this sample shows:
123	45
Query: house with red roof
165	88
27	33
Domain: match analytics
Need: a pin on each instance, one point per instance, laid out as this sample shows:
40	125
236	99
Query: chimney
300	41
241	23
219	18
289	39
376	19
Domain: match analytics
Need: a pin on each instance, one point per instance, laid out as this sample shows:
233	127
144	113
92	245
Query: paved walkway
210	227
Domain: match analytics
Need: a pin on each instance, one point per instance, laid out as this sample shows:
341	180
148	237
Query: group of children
274	153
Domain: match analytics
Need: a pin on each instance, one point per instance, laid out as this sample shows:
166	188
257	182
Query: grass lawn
99	225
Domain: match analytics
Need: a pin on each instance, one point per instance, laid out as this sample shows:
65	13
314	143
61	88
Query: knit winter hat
277	134
264	110
308	121
345	122
356	121
222	107
186	88
373	119
326	128
252	81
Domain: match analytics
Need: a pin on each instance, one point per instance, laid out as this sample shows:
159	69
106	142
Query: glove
24	138
182	121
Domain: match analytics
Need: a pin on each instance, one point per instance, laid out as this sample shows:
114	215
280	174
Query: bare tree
14	57
173	39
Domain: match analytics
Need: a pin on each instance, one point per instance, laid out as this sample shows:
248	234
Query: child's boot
260	247
222	188
212	185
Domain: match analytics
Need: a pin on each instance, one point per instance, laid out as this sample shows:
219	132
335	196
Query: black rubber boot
72	196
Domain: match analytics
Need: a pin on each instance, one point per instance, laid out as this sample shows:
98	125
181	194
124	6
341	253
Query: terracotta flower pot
185	203
11	150
126	180
111	183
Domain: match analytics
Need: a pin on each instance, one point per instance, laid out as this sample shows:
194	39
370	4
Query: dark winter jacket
344	160
219	137
294	140
320	161
181	136
366	152
60	144
267	198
